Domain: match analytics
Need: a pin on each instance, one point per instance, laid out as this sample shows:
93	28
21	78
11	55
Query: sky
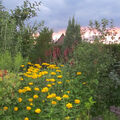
56	13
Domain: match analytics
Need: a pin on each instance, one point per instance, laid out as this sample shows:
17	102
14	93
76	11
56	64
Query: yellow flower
36	89
69	105
53	73
67	80
62	65
68	92
15	108
58	70
53	83
52	80
59	82
28	108
79	73
37	110
51	95
49	85
19	99
77	101
22	66
20	91
30	83
30	99
5	108
65	96
47	80
26	118
29	63
58	98
59	76
54	102
35	96
31	104
45	89
21	78
67	118
84	83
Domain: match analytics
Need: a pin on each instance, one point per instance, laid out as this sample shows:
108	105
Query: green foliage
7	89
42	45
25	12
72	34
6	61
18	60
15	35
102	27
94	61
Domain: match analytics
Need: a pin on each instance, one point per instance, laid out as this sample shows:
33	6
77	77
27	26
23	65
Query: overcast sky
56	13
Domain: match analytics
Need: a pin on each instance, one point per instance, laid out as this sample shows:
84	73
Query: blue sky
56	13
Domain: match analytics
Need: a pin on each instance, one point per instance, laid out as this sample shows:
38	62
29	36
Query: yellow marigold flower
47	80
49	85
29	63
59	82
84	83
21	78
27	88
57	67
22	66
30	83
53	83
26	118
45	89
30	99
59	76
65	96
15	108
20	91
45	72
52	80
67	118
54	102
69	105
35	96
5	108
19	99
28	108
37	110
68	92
79	73
77	101
31	104
58	98
62	65
36	89
53	95
53	73
45	64
58	70
67	80
49	96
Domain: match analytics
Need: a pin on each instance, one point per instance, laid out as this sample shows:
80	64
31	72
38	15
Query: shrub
94	61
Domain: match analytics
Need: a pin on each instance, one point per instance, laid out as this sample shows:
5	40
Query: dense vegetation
83	84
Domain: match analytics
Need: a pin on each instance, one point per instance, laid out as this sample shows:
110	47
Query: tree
72	38
72	34
43	43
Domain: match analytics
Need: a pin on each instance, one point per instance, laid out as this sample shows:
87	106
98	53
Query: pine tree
72	34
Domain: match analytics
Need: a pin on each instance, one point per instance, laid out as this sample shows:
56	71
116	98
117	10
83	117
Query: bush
95	61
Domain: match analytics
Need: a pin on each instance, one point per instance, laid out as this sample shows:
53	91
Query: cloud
56	13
